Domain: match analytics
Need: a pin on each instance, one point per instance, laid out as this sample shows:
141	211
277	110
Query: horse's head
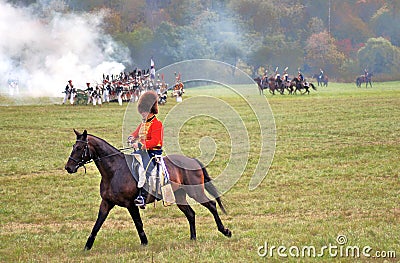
80	154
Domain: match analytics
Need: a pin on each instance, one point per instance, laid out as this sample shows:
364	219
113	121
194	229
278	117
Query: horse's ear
84	134
77	133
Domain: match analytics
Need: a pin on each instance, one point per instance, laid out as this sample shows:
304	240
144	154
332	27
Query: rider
321	74
277	75
149	134
365	73
300	76
264	79
285	74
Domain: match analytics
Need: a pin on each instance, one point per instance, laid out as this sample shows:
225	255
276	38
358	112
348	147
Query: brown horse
261	85
118	187
271	85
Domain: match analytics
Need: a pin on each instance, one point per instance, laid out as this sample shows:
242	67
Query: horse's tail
210	187
313	87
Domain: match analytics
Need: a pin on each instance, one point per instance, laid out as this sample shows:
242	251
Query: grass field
335	172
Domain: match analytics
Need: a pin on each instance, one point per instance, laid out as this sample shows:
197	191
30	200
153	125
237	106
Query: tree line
341	37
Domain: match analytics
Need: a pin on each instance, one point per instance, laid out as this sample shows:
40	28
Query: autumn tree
321	52
386	22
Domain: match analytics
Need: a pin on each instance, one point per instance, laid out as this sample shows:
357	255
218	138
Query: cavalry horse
300	85
322	80
271	85
364	79
261	85
118	187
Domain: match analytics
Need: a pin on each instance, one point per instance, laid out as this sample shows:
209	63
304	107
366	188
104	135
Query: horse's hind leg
104	210
134	212
180	198
211	205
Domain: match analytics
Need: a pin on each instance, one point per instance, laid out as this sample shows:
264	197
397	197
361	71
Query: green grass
335	171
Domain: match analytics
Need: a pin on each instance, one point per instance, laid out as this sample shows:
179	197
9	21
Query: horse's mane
104	141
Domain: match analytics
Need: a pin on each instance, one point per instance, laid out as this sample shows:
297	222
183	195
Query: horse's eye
76	147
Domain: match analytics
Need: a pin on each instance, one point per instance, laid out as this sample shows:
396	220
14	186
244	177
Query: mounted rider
285	75
321	74
148	138
277	75
264	79
300	76
366	74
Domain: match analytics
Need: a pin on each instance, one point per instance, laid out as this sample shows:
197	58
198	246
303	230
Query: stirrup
139	201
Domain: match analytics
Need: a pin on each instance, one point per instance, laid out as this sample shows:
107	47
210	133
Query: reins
87	152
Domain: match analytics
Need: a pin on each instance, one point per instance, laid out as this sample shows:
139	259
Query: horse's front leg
134	212
104	210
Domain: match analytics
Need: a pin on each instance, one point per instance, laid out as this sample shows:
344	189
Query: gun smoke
42	49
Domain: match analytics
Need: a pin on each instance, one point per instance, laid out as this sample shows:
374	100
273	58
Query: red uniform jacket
150	134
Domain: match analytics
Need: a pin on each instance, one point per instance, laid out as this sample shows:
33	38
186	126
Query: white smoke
45	50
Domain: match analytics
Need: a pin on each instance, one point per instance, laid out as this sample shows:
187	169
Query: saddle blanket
157	184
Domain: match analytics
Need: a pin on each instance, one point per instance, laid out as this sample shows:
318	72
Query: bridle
86	153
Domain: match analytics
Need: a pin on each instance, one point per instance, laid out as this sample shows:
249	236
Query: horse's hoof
87	248
228	233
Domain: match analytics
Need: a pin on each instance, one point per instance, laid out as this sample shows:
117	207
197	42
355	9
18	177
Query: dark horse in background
118	187
322	80
367	79
303	85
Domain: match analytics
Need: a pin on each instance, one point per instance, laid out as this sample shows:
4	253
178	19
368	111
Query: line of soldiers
121	87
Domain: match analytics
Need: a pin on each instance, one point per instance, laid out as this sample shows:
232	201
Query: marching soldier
120	91
99	93
72	96
67	91
89	92
107	91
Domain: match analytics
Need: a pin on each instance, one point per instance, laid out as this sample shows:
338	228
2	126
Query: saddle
158	181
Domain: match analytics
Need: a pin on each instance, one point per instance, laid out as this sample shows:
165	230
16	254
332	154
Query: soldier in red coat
147	137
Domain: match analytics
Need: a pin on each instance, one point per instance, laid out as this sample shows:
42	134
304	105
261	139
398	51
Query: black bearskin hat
148	102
